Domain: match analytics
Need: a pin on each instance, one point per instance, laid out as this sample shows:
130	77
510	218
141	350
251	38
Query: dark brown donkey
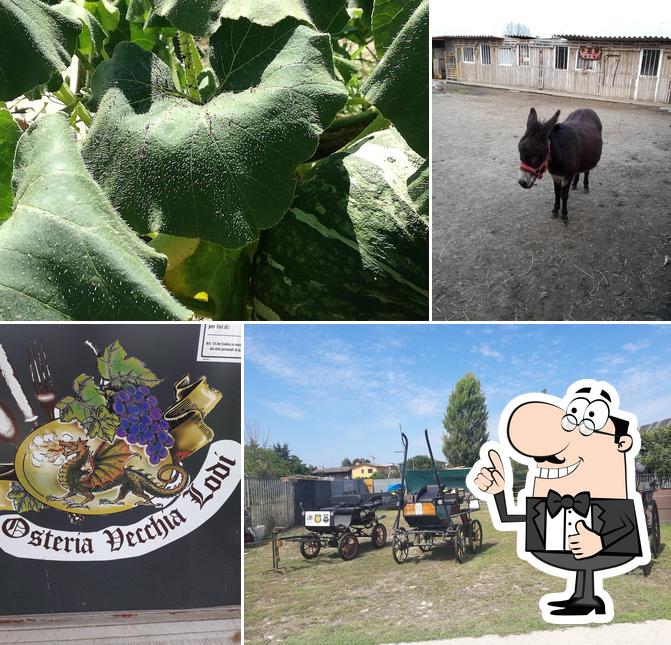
565	149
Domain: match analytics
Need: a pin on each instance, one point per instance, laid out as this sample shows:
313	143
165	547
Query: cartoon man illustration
583	519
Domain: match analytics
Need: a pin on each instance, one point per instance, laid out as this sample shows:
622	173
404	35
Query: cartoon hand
490	480
585	543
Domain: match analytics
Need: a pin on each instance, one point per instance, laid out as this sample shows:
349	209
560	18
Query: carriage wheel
655	537
400	547
379	536
348	546
459	540
475	541
310	546
427	540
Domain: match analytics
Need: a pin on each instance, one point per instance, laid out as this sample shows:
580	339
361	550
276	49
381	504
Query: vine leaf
64	252
37	40
203	18
399	85
224	170
9	136
21	500
352	246
102	424
120	369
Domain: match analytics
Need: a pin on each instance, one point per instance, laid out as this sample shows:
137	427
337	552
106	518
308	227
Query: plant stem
191	63
73	104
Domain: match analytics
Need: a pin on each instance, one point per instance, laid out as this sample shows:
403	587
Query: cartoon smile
556	473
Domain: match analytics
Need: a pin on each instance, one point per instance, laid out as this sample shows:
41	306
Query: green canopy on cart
452	478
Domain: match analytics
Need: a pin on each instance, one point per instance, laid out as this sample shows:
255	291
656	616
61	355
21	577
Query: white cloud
287	409
485	350
636	347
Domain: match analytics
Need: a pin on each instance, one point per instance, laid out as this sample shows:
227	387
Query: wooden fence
270	501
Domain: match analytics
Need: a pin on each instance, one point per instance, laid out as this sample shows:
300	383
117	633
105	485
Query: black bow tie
580	503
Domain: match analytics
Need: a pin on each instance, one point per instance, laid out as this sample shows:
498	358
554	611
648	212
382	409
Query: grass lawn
373	600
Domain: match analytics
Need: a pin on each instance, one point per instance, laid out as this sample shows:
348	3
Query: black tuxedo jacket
613	519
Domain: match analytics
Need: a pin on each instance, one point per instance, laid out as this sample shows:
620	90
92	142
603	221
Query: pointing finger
495	458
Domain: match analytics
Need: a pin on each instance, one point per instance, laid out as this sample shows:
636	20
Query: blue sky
335	391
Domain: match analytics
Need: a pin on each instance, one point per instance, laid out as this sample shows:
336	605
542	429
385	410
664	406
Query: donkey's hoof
586	189
564	220
575	186
555	214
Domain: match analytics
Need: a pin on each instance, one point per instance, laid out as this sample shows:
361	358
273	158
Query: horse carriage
340	525
437	509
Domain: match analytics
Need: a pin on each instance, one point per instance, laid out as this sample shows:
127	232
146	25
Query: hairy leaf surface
64	252
224	170
37	40
399	86
352	246
9	136
202	17
389	17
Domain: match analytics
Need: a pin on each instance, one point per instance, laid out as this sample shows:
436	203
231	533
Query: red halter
540	171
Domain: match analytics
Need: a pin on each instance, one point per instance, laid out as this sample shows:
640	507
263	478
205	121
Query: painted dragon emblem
83	473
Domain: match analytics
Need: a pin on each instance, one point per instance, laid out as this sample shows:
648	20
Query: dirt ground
498	254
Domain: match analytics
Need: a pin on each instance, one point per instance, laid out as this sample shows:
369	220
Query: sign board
590	53
119	469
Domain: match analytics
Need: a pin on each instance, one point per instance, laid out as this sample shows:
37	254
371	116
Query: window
370	470
650	62
486	54
505	56
469	55
523	55
584	63
561	57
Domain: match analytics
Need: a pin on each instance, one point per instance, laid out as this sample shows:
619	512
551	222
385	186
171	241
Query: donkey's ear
532	120
550	123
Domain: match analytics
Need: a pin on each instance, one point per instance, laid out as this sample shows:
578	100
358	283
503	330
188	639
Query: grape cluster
142	422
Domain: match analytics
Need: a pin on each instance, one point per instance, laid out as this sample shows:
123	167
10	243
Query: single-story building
338	472
636	69
369	470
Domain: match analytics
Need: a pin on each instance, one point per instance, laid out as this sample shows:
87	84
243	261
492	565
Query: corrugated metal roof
629	39
462	36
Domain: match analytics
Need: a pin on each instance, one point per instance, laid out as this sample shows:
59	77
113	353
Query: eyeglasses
594	416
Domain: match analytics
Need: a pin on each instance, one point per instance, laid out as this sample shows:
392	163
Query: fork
40	375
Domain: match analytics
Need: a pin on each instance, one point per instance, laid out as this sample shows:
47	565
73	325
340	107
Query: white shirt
559	528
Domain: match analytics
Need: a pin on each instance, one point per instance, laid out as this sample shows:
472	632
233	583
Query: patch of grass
373	600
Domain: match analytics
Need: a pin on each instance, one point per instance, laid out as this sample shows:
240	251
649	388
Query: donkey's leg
555	210
585	182
575	180
564	199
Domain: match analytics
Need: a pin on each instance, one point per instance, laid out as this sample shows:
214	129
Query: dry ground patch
498	255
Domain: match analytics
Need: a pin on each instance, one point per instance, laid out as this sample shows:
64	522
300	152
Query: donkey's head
534	148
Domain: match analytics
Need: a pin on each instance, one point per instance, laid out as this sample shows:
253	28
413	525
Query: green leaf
88	392
399	85
21	500
37	40
418	189
106	12
203	18
120	370
64	252
389	16
224	170
73	409
9	136
92	35
352	247
102	424
198	267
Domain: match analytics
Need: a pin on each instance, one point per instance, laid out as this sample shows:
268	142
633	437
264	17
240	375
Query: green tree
346	462
272	462
423	462
465	422
656	451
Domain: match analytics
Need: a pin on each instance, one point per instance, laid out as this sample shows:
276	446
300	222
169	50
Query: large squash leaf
92	34
203	17
64	252
9	135
224	170
37	40
399	86
352	246
208	275
389	17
